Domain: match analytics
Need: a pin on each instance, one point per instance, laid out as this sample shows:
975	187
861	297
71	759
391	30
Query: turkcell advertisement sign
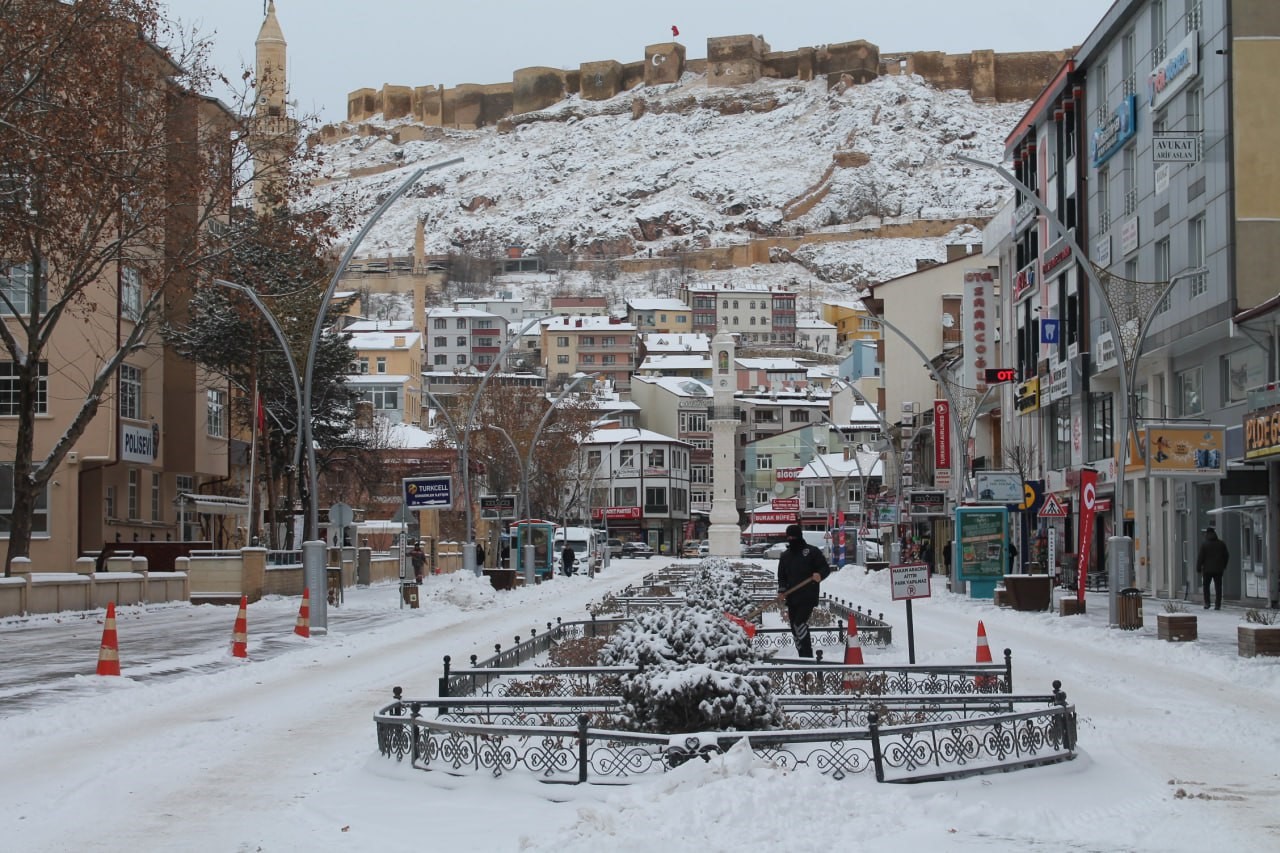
428	492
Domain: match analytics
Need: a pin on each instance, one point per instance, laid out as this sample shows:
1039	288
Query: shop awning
213	504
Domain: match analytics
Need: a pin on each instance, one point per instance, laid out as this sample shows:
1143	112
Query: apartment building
387	373
583	344
757	316
462	339
666	315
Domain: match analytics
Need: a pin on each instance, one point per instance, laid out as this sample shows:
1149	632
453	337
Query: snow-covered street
1178	746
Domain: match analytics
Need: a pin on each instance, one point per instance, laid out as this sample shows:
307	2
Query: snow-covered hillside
690	167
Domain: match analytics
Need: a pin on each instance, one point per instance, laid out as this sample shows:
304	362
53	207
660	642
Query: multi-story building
758	316
1153	147
387	372
816	335
678	406
666	315
602	345
633	480
852	323
462	339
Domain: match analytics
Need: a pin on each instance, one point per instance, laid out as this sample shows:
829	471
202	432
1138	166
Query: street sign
497	506
910	580
785	504
428	492
1053	508
340	515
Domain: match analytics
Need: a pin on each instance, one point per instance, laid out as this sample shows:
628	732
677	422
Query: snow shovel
745	623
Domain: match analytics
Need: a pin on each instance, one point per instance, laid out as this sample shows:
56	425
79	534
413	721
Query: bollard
583	719
873	725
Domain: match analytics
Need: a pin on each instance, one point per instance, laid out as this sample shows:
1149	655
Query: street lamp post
314	562
1120	546
288	356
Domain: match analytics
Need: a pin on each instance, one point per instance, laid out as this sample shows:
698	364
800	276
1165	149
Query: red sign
785	504
1053	508
1088	503
774	517
941	436
620	513
783	475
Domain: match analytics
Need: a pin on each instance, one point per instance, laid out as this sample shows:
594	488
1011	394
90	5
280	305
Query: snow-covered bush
694	674
716	586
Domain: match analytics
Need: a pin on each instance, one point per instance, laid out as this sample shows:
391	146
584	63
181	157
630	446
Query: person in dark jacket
480	555
1211	562
799	561
567	559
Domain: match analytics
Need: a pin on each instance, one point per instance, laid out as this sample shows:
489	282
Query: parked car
704	548
754	549
637	549
690	549
615	547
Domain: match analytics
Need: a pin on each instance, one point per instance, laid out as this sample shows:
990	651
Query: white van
587	544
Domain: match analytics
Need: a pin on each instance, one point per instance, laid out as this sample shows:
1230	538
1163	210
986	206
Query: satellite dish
778	488
948	321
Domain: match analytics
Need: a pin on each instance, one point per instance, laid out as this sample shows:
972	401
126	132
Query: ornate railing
943	738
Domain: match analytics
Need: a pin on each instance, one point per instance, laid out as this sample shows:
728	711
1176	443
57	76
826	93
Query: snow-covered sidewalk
1177	748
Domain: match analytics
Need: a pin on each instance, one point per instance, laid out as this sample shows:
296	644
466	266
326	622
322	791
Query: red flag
675	31
1088	499
262	415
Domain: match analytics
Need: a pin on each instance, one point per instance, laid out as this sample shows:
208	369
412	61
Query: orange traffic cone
984	682
240	636
852	655
109	652
303	628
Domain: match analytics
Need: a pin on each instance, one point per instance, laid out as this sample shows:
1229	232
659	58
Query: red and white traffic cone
303	626
240	635
984	682
109	651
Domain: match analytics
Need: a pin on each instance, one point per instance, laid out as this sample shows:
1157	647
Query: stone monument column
724	535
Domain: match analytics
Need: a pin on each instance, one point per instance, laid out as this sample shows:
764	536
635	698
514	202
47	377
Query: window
462	340
593	460
461	323
439	323
1130	157
130	392
1196	255
764	462
562	342
362	364
625	496
1060	440
587	359
606	359
10	387
627	458
1128	49
1194	15
655	499
700	474
109	502
735	305
1187	383
1104	198
133	493
657	458
184	484
484	324
753	321
383	397
866	324
1102	92
440	341
216	410
1195	110
382	364
131	294
1101	426
693	422
485	342
16	284
39	518
1158	28
762	497
799	416
1162	271
1240	372
441	360
609	341
562	359
155	495
461	359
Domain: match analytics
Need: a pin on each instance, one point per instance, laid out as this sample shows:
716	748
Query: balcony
656	509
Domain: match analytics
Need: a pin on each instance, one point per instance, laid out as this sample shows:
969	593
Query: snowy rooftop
771	364
628	435
679	385
400	340
668	342
656	304
586	323
676	362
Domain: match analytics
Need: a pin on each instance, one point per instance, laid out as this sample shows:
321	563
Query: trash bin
1129	612
410	593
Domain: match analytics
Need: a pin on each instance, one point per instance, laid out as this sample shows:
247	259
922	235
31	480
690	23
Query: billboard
1003	487
1186	451
428	492
982	533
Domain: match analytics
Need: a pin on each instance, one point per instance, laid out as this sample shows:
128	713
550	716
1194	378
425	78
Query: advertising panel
428	492
982	533
1186	451
977	325
941	436
1003	487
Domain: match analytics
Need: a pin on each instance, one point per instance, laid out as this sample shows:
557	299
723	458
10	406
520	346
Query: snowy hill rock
681	167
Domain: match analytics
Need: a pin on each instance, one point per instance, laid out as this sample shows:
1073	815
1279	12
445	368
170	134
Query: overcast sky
337	46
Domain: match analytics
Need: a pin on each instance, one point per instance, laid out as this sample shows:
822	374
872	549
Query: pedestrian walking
567	560
418	558
479	555
1012	551
946	556
1211	562
800	561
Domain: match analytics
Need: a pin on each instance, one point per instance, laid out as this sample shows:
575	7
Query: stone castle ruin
731	61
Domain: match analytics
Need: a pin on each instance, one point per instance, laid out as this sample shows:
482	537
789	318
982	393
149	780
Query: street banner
1088	502
941	436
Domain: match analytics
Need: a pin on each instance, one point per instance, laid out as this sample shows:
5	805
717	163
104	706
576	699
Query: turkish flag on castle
1088	499
675	31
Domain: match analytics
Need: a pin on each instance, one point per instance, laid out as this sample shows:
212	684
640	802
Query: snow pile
463	590
694	170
